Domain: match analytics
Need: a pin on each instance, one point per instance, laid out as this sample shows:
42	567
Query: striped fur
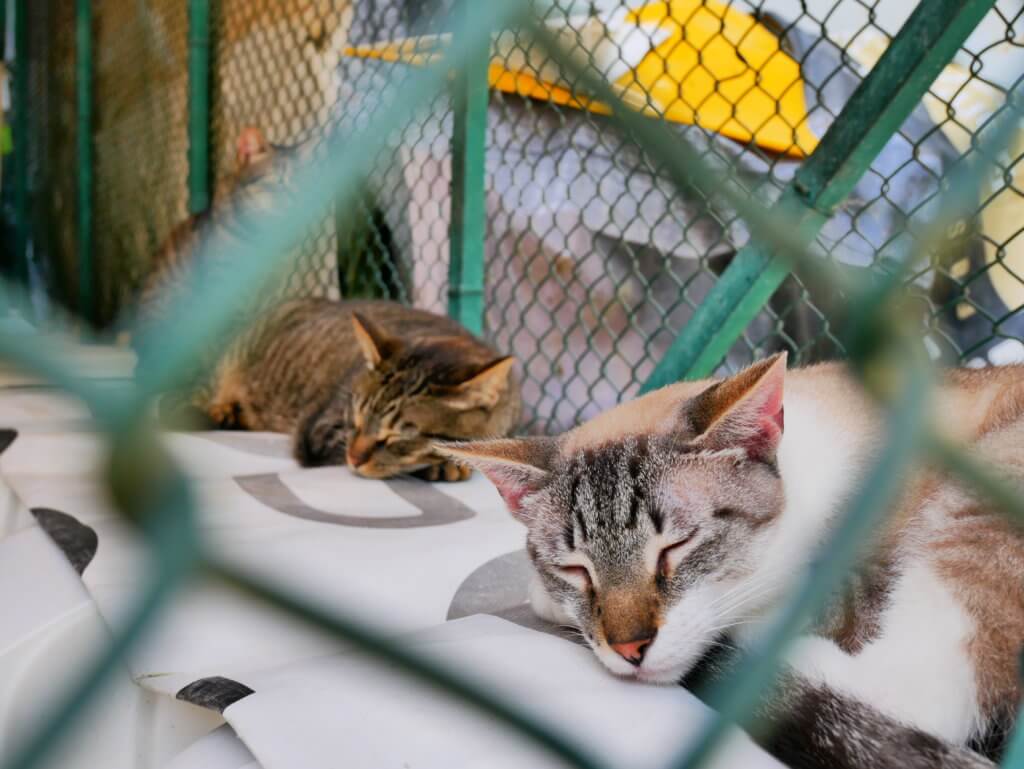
674	527
299	369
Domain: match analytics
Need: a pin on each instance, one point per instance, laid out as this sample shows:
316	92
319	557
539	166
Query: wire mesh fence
597	255
594	261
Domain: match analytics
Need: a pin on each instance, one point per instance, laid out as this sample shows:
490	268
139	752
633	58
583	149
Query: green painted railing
875	111
22	209
150	490
198	105
468	199
84	93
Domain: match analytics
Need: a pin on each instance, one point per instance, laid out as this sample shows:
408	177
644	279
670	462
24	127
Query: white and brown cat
675	525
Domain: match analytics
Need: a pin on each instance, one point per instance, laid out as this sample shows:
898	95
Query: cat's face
261	170
411	395
651	543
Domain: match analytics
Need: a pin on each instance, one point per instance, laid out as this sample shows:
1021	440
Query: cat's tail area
811	726
321	438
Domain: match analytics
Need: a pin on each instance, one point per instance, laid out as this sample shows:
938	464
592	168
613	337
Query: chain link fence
594	262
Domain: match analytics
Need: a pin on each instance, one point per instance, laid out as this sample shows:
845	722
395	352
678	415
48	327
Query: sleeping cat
368	383
670	528
371	389
371	384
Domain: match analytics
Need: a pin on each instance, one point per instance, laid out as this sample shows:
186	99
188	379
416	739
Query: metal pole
198	106
468	218
84	95
875	111
21	142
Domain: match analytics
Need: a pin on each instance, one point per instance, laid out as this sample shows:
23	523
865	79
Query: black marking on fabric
77	541
214	693
7	436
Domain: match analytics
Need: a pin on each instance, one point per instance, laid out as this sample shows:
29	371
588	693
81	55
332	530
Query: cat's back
304	320
303	350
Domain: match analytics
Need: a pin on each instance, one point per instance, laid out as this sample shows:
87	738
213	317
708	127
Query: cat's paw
226	415
544	606
446	471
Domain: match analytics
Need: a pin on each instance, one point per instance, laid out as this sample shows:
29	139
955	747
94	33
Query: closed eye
670	557
577	576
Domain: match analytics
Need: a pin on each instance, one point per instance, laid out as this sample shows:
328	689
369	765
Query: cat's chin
622	669
665	677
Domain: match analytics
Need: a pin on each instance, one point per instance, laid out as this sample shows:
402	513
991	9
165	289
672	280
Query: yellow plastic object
698	62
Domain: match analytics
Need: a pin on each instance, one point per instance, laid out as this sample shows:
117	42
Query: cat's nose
633	651
360	450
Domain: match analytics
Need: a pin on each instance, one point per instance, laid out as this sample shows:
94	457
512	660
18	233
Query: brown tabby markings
368	384
697	457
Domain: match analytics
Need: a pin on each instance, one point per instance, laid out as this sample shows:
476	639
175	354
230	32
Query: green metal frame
84	101
198	105
148	488
467	227
22	209
875	111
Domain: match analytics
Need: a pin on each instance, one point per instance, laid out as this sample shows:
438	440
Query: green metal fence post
21	142
875	111
198	105
468	217
84	91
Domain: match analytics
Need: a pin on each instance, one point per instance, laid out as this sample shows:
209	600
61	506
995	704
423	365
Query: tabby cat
672	529
370	384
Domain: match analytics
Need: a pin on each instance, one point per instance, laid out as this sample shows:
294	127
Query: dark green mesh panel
51	146
141	141
594	262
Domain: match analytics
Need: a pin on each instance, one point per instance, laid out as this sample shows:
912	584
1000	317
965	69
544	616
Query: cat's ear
374	342
484	389
250	144
518	467
744	411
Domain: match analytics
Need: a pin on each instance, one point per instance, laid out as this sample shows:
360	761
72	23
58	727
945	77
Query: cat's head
413	393
260	168
651	542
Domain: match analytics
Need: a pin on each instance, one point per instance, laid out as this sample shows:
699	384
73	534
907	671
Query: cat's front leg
814	726
445	471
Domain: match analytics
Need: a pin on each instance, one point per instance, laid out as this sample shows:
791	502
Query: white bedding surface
440	564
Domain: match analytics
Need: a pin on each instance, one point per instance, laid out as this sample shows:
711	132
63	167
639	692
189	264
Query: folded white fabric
349	710
440	564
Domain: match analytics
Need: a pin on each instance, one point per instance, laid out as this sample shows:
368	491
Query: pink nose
633	651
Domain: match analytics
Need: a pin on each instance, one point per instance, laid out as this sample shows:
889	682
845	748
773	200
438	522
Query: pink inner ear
511	488
513	496
770	424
